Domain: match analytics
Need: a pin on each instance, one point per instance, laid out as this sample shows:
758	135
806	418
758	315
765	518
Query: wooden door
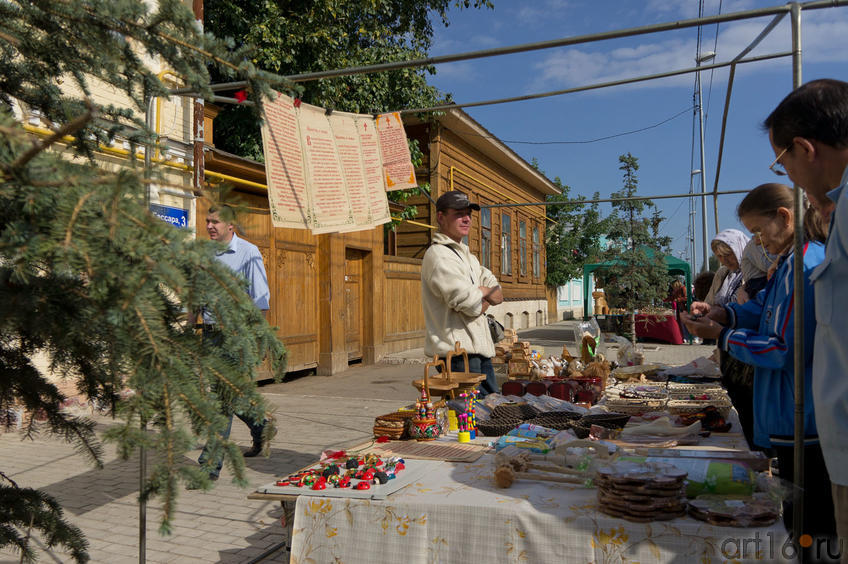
353	312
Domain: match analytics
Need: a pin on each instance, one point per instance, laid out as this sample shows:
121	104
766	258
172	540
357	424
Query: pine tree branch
67	129
13	40
8	479
69	230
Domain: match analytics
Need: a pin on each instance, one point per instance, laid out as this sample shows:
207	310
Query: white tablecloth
458	515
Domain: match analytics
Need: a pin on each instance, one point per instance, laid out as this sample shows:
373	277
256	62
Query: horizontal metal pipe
212	87
645	78
603	200
539	45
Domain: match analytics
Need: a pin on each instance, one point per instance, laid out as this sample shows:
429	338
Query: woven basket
520	411
393	425
497	427
559	420
582	426
676	388
635	406
610	420
688	407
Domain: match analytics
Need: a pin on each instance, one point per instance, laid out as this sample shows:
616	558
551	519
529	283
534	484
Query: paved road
313	412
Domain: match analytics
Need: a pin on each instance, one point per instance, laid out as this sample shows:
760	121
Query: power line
582	142
715	50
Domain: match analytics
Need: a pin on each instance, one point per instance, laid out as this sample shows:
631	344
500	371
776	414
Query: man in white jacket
457	291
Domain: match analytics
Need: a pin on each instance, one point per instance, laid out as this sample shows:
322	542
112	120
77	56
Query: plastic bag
595	345
628	355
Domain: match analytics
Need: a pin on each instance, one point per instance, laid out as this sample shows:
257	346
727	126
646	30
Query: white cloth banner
329	174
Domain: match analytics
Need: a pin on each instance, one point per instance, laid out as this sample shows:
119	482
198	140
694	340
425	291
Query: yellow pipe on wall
126	154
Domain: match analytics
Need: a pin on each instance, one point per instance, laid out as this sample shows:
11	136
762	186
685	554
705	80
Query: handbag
496	330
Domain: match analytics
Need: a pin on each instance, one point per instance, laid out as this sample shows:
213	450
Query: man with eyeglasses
809	134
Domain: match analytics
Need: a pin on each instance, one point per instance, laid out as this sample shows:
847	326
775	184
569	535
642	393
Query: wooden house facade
338	298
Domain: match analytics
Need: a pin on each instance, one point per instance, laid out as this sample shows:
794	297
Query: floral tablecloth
457	514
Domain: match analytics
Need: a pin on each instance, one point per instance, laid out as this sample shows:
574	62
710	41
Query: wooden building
338	298
460	154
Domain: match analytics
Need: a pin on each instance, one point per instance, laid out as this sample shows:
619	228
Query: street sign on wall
177	217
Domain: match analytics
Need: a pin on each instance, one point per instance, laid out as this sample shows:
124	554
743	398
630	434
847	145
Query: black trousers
819	521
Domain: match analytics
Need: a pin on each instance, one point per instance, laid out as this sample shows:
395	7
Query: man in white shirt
456	292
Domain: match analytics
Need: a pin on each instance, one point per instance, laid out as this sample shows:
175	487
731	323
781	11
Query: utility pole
702	58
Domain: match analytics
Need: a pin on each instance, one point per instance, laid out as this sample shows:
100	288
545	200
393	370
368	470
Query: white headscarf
737	241
755	261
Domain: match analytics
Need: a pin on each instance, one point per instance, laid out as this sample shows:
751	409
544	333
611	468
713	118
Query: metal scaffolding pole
757	40
603	200
798	296
525	47
705	257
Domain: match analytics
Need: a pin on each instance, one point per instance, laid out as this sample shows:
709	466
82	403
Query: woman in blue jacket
761	332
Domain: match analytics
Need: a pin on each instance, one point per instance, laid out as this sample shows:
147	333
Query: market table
455	513
659	327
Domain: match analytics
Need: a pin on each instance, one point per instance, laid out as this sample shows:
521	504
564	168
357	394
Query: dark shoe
255	450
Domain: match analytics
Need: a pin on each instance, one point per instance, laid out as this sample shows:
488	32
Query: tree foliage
297	37
575	239
638	276
89	278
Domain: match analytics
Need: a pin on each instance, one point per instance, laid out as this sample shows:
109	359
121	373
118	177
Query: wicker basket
520	411
582	426
497	427
610	420
688	407
675	388
631	406
393	425
559	420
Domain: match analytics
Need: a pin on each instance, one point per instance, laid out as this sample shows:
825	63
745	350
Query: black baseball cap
455	200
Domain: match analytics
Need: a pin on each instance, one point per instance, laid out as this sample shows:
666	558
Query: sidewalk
313	413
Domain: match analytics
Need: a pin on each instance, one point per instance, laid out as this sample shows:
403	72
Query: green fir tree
92	280
637	277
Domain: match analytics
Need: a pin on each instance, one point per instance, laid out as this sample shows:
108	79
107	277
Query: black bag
496	330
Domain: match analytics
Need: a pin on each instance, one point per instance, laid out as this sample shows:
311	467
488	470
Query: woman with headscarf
756	262
728	247
738	377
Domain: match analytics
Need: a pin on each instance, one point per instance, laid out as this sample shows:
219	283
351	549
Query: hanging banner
350	153
397	162
328	193
372	164
284	168
328	173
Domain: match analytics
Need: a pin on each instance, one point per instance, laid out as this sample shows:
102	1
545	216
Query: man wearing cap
456	292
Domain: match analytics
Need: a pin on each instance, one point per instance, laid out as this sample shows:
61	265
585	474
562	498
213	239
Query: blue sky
664	151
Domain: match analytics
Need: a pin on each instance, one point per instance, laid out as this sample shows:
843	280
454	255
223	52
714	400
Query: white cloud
590	63
462	71
535	12
687	9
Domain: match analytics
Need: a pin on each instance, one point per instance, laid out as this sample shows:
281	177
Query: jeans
478	364
214	337
255	434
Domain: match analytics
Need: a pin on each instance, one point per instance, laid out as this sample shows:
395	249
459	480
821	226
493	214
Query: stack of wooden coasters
758	510
641	492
